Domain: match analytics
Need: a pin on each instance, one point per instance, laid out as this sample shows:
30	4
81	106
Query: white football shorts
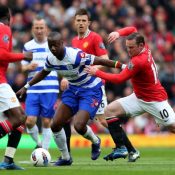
161	111
8	98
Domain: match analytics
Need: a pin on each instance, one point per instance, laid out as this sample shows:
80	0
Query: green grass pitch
153	161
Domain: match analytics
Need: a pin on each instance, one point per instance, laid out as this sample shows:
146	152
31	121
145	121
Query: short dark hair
4	12
83	12
137	36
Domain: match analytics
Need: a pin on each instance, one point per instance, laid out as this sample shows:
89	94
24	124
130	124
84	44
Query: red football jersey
143	74
5	44
92	43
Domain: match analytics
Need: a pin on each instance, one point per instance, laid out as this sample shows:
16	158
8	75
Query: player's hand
32	66
91	70
64	84
28	56
113	36
21	92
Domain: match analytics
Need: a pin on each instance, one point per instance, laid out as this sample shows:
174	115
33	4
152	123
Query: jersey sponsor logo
102	46
69	67
82	55
6	38
130	66
85	44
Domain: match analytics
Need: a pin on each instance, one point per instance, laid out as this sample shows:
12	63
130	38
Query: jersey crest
85	44
130	65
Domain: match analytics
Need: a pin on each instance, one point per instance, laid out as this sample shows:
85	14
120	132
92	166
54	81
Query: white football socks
34	133
60	140
46	137
90	135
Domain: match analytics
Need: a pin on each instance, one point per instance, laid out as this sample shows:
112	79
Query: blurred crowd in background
155	19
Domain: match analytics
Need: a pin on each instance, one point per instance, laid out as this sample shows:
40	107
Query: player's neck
83	35
40	40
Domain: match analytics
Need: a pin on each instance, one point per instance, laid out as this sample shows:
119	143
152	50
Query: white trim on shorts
161	111
8	98
103	103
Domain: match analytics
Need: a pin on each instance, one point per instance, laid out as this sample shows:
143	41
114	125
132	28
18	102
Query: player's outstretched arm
121	32
13	57
37	78
108	63
114	78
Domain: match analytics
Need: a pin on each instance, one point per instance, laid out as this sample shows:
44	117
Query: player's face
56	47
133	48
39	30
81	23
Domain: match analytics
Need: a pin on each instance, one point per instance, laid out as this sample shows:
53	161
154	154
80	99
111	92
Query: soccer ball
40	157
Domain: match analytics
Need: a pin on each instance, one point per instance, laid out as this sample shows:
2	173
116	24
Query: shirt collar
85	34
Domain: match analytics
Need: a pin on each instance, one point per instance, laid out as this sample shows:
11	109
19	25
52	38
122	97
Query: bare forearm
38	77
108	63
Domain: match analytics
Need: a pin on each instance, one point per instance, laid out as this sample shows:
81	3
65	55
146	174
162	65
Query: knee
55	127
46	123
79	127
20	118
30	122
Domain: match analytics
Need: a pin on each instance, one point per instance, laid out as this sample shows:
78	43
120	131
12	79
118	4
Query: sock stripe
6	126
21	128
111	120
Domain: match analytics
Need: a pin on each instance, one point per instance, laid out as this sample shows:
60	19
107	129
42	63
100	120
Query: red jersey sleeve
10	57
126	31
132	69
99	46
5	37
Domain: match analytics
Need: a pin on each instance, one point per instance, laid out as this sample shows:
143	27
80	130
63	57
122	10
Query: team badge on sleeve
6	38
130	65
82	55
101	45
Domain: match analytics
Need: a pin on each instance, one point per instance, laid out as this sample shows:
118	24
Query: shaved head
54	36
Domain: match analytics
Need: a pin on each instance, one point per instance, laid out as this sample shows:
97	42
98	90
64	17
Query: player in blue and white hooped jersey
42	96
80	100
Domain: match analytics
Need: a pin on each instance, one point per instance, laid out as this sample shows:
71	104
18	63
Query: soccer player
41	97
9	105
80	100
92	43
148	93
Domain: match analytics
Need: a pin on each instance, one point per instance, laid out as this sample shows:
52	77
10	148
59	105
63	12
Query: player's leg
33	111
67	129
121	108
115	130
62	115
88	106
47	111
32	130
10	105
13	141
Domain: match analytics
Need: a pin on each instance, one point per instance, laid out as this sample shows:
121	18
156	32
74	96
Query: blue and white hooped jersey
40	52
72	67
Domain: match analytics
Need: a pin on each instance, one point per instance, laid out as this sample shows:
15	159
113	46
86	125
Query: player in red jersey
148	94
12	115
92	43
